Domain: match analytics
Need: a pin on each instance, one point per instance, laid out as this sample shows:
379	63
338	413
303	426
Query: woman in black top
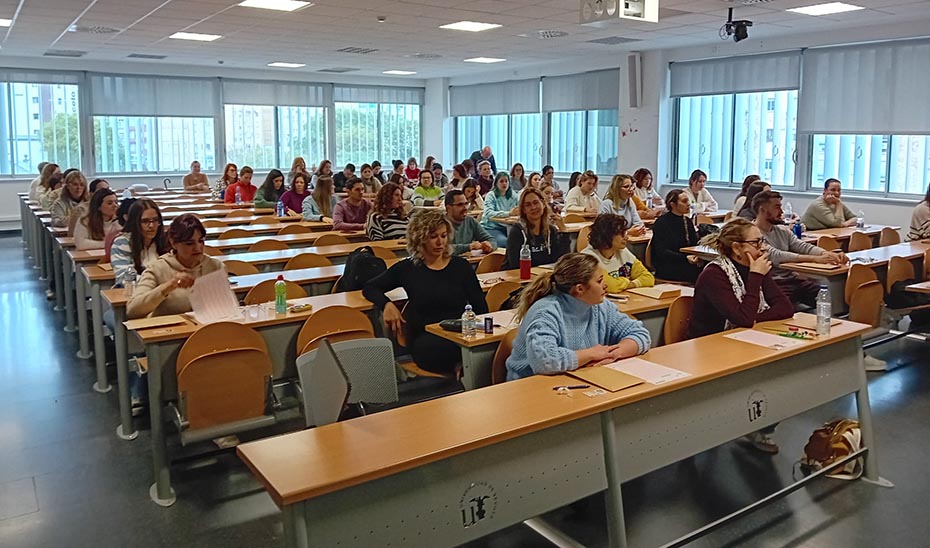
671	232
538	227
746	212
438	286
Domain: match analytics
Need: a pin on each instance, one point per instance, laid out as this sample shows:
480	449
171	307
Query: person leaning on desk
164	287
566	324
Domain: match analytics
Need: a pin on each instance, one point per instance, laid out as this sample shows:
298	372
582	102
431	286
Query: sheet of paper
503	318
765	340
650	372
687	291
213	300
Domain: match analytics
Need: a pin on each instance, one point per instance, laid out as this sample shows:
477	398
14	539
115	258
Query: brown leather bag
831	442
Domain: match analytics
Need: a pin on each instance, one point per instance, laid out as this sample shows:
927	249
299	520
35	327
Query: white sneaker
874	364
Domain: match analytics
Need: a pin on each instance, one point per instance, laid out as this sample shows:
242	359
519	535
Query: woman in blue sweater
566	324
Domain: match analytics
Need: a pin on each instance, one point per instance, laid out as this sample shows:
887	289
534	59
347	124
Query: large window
894	164
376	131
582	140
734	135
39	123
512	138
301	132
164	144
250	136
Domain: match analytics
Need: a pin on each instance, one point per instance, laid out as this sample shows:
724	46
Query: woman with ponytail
566	324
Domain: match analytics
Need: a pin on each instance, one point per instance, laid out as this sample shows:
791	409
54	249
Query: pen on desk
573	387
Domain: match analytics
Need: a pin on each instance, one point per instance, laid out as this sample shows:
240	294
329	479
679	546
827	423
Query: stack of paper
213	300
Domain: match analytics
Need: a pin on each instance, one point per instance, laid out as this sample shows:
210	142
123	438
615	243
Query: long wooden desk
292	240
483	460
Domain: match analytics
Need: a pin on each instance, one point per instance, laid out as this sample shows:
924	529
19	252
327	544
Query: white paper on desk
213	300
765	340
650	372
503	318
686	291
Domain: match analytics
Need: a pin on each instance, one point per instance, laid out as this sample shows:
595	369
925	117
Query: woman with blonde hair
196	180
298	167
536	230
619	201
438	285
320	203
44	188
567	324
73	196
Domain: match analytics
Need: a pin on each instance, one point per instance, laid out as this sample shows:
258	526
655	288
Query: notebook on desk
606	378
661	291
820	266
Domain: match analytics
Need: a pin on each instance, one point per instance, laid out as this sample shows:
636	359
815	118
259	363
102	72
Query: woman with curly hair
607	244
438	285
387	220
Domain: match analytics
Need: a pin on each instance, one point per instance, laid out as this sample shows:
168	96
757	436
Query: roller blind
143	96
873	88
292	94
588	91
355	94
744	74
513	97
39	77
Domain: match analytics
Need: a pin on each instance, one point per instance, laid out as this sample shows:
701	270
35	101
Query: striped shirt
121	257
380	227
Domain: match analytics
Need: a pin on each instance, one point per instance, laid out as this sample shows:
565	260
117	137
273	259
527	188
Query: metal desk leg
864	411
125	430
616	528
295	526
96	311
81	307
48	259
59	279
476	365
160	492
39	254
68	284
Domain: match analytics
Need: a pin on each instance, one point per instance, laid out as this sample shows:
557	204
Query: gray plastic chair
369	365
324	385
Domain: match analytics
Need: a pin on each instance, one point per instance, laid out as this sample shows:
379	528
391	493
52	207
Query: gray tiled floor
66	480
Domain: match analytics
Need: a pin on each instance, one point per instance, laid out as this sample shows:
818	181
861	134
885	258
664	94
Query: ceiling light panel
399	72
469	26
277	5
826	9
197	37
282	64
486	60
5	22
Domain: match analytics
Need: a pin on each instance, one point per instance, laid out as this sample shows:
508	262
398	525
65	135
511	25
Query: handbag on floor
830	443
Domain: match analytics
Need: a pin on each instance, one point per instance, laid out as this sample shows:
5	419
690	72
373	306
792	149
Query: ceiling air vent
338	70
357	51
95	29
550	34
747	2
613	41
64	53
145	56
425	56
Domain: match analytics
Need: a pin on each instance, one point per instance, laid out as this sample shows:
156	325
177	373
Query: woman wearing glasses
140	243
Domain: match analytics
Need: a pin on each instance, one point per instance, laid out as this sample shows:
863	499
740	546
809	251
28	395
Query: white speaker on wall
634	79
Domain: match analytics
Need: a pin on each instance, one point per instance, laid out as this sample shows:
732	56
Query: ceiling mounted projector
738	30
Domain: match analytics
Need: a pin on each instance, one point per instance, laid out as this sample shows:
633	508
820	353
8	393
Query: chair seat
413	369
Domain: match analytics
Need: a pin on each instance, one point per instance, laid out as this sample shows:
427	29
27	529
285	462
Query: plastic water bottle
788	210
238	197
526	262
129	283
280	296
860	219
469	323
824	311
279	209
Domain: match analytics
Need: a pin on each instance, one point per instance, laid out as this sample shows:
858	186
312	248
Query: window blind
143	96
512	97
743	74
598	90
292	94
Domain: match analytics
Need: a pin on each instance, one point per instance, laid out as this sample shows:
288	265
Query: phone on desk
618	297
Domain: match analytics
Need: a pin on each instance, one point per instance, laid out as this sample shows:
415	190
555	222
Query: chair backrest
730	214
401	337
239	213
499	365
899	269
678	320
307	260
224	375
499	293
201	201
268	245
889	236
492	262
647	255
858	274
212	223
294	228
859	241
169	209
264	292
265	220
330	239
926	274
330	322
828	242
324	386
239	268
212	251
865	306
335	288
369	365
583	236
704	219
233	233
383	253
574	218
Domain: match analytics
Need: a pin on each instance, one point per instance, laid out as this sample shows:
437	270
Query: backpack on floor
830	443
362	265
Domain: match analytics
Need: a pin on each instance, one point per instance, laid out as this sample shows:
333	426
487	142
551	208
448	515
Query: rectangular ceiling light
826	9
484	60
399	72
282	64
277	5
5	22
195	36
469	26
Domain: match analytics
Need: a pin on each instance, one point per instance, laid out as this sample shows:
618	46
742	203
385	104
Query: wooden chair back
335	323
234	233
212	223
169	209
574	218
492	262
268	245
307	260
704	219
264	292
240	268
926	273
865	306
499	293
889	236
201	201
212	251
265	220
730	214
859	241
239	213
499	365
829	243
647	255
383	252
330	239
858	274
335	288
401	337
294	228
899	269
224	375
583	236
678	320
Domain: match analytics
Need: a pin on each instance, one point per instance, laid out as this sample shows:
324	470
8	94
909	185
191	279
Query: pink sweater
349	217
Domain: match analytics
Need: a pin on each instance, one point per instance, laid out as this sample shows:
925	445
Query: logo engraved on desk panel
756	405
477	504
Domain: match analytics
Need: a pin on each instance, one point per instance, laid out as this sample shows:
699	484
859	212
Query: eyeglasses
150	222
758	243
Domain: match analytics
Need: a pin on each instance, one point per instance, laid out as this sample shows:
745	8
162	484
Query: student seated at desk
754	189
352	212
468	234
438	286
644	195
566	324
583	198
196	180
324	170
672	231
920	220
321	202
470	190
73	196
619	201
295	198
607	244
536	229
91	230
298	166
372	183
699	195
49	195
499	203
828	210
387	220
269	194
243	187
426	193
741	197
165	285
141	242
230	176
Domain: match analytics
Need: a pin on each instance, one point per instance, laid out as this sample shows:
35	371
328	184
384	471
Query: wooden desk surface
310	463
844	232
875	257
271	228
283	255
291	239
222	215
922	287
